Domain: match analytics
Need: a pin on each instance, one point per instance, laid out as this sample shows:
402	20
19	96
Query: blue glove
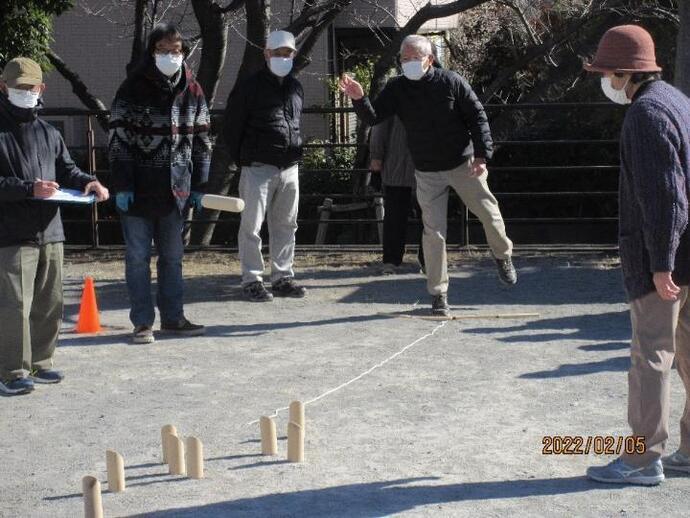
124	200
195	199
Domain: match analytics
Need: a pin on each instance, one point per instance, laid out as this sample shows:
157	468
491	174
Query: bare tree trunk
682	69
222	168
303	58
79	88
258	20
214	34
139	38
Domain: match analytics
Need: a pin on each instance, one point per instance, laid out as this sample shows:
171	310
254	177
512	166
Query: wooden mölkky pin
116	471
195	458
176	459
297	413
166	431
93	504
295	443
269	437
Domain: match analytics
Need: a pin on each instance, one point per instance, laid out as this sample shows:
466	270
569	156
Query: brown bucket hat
626	48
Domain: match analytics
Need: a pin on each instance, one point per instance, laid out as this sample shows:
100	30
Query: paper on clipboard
71	196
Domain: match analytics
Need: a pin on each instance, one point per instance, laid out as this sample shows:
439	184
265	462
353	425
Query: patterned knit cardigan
149	136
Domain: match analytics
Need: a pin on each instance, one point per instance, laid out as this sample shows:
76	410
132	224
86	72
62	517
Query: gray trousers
432	195
661	330
273	194
30	307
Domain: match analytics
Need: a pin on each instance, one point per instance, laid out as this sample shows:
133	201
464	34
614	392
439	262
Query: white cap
279	39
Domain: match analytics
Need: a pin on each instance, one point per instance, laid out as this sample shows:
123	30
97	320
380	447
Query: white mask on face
280	66
169	64
413	70
617	96
23	98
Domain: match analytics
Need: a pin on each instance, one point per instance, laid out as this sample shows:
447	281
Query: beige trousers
30	307
661	329
432	194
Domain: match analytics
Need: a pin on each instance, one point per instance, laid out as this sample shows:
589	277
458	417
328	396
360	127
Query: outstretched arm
381	109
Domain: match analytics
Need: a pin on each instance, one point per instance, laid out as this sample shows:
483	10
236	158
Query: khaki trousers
660	329
30	307
432	194
271	194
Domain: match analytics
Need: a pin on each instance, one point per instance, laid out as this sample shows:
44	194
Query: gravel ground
452	426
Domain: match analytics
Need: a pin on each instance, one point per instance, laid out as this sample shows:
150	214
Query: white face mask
169	64
280	66
23	98
413	70
617	96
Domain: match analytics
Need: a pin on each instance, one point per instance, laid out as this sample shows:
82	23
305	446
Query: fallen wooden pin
464	316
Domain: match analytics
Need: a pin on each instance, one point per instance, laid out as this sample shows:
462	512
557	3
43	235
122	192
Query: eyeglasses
175	52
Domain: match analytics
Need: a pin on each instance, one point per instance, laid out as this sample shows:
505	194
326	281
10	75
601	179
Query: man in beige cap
34	164
262	131
654	243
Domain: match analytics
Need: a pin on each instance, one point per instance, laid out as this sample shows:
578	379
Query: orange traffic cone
88	322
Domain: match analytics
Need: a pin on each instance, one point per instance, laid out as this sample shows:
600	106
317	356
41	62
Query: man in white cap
262	132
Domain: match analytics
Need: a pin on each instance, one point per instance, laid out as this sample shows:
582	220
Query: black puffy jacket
445	122
262	120
31	149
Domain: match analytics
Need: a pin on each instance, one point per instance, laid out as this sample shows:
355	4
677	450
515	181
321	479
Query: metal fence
81	223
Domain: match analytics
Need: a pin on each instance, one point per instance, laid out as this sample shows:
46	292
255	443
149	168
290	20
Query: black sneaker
439	305
16	387
46	376
256	292
183	328
506	271
286	287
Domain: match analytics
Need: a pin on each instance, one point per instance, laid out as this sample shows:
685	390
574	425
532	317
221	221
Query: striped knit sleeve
122	164
201	145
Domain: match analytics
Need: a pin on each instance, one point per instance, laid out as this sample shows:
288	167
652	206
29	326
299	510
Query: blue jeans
166	233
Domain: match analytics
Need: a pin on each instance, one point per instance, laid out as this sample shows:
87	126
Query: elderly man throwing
449	139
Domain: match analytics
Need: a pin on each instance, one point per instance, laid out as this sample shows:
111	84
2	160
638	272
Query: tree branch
139	33
214	35
79	88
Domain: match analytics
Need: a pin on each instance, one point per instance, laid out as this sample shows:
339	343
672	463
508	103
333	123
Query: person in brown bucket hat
654	245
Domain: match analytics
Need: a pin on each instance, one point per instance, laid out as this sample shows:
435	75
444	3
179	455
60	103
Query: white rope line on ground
360	376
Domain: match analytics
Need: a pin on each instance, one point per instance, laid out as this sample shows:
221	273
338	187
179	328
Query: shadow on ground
380	498
611	330
470	285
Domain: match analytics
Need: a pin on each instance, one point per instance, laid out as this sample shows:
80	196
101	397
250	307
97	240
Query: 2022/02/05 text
597	444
